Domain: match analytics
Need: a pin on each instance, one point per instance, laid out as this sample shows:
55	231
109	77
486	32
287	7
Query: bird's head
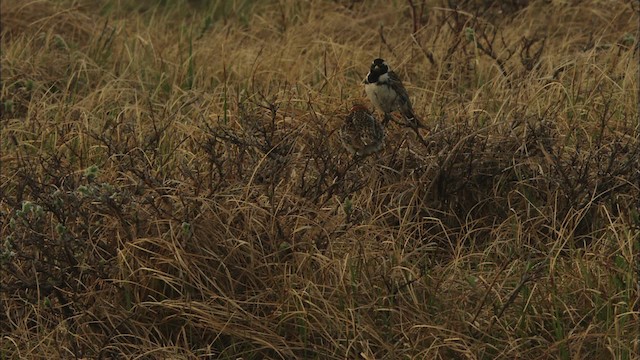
359	106
378	68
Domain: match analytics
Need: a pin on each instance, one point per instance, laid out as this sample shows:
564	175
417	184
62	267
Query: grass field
172	185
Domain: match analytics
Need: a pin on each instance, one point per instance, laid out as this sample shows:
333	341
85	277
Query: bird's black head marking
378	62
378	67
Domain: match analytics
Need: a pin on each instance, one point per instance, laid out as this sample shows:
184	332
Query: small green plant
7	252
91	172
347	206
469	34
186	228
60	43
628	40
8	106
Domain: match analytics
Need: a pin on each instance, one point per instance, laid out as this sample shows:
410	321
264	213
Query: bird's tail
412	119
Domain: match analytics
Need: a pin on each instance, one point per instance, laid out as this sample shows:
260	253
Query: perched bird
361	134
385	90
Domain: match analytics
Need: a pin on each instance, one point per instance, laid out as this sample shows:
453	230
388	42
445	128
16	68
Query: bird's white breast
382	95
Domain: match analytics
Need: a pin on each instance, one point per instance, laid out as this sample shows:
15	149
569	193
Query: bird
385	90
361	134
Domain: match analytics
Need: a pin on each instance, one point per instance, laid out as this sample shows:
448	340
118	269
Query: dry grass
172	185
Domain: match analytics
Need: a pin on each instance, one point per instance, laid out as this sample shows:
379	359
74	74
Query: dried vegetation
172	185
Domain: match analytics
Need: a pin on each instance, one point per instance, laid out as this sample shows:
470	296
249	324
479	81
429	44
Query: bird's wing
405	103
396	84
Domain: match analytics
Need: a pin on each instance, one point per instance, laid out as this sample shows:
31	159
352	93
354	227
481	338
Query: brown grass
172	185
